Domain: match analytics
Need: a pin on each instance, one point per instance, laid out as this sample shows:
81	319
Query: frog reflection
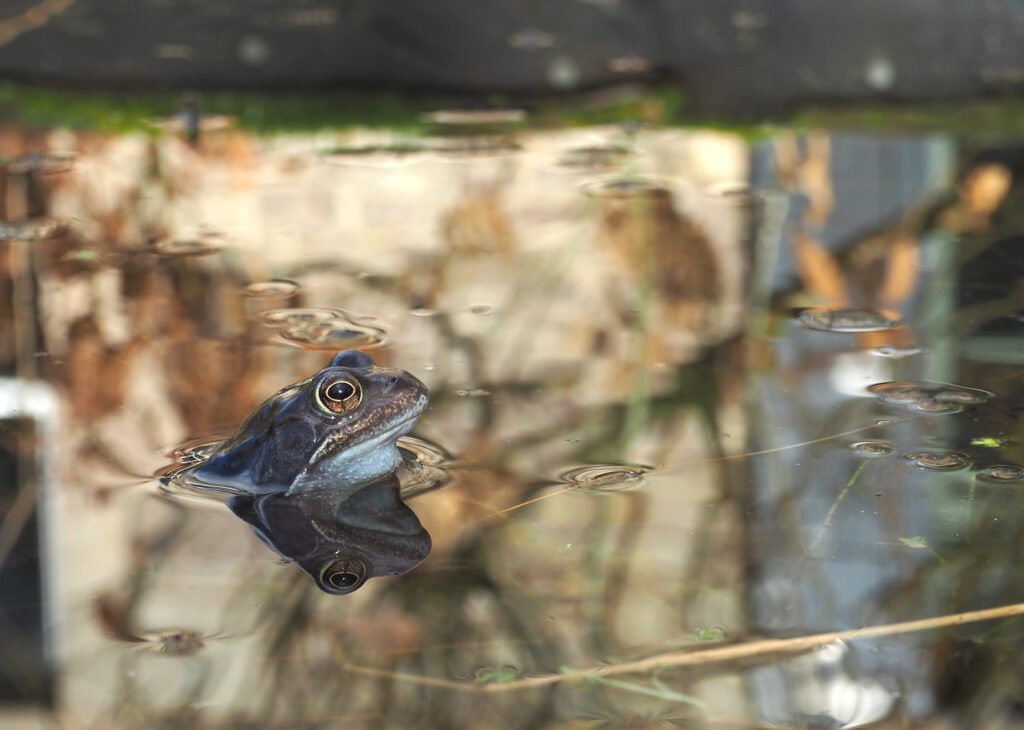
341	537
312	471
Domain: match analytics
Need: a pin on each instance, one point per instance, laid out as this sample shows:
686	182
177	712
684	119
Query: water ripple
272	289
422	468
847	321
201	245
33	229
623	187
324	329
929	397
874	448
939	460
604	478
1002	473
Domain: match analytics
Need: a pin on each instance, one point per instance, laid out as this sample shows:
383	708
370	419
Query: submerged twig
835	504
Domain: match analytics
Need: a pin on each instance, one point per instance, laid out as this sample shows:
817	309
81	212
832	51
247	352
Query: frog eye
338	394
343	575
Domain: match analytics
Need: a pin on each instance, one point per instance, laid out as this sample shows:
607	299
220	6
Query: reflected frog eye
338	393
342	576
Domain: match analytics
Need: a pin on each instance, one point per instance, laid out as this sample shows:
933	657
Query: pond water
721	433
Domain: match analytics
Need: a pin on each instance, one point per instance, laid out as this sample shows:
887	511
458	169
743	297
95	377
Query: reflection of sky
874	181
808	577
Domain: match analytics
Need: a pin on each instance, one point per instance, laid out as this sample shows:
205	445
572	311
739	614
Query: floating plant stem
835	503
970	508
705	657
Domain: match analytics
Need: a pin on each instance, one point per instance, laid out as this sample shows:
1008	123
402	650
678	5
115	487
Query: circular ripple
187	246
323	329
39	162
183	642
388	155
1002	473
896	352
471	146
422	468
939	460
273	289
623	187
874	448
186	456
594	158
34	229
732	191
423	451
929	397
474	117
847	320
604	478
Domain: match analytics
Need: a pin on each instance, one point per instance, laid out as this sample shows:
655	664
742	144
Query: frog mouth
342	452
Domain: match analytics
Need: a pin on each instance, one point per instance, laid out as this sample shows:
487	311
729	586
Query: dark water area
720	433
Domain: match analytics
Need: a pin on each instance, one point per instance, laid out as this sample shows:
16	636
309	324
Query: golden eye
338	394
342	575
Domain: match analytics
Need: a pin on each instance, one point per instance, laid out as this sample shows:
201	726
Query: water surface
693	400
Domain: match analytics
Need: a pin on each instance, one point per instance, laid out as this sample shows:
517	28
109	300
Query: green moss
261	113
267	113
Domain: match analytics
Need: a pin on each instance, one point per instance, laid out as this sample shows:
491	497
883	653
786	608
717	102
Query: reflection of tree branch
34	17
617	573
972	318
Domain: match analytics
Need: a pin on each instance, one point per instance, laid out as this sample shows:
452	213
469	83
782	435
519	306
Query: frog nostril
392	382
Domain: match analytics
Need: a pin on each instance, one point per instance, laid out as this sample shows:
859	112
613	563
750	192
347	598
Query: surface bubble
1002	473
605	478
472	392
939	460
323	329
482	309
929	397
272	289
874	448
847	320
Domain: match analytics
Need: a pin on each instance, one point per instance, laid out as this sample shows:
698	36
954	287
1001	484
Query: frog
340	426
313	472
